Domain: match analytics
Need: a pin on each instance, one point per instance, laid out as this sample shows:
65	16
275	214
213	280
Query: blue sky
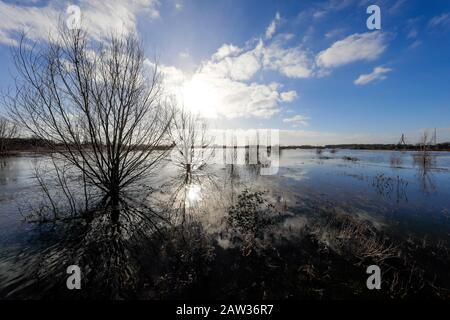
309	68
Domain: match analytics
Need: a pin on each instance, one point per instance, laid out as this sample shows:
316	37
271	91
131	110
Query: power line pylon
434	140
402	141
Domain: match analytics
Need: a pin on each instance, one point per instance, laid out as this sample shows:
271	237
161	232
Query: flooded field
310	231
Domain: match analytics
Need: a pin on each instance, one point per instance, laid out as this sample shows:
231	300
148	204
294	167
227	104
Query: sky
311	69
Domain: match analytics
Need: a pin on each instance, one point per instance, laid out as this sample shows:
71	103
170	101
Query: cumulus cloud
297	120
356	47
98	17
220	87
241	67
294	62
212	94
224	85
226	50
102	17
288	96
172	76
378	73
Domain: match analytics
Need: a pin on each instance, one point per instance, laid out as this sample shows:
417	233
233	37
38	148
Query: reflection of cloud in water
295	223
295	174
224	243
307	217
193	193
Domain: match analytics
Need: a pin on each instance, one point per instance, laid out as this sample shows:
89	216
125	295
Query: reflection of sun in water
193	193
201	97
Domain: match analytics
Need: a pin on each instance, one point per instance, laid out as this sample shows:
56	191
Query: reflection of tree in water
395	160
4	163
105	249
425	162
192	151
164	250
145	254
188	192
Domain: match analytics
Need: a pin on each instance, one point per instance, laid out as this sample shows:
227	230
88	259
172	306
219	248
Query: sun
200	97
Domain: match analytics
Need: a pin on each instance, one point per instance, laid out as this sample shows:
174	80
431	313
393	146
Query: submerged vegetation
100	111
347	158
395	160
323	254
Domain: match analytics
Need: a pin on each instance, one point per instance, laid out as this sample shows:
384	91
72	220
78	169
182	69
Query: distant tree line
414	147
8	131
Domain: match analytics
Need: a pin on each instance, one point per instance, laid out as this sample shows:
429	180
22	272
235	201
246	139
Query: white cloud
37	22
172	76
102	17
231	99
397	6
220	87
415	44
226	50
288	96
213	94
442	20
319	14
6	39
225	84
334	33
184	54
378	73
356	47
272	26
292	62
178	5
330	6
98	17
297	120
241	67
239	64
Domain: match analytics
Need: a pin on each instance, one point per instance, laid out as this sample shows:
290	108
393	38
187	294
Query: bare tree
192	144
424	157
191	152
97	103
8	130
425	161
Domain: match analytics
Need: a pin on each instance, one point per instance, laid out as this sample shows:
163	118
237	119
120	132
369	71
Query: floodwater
330	215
